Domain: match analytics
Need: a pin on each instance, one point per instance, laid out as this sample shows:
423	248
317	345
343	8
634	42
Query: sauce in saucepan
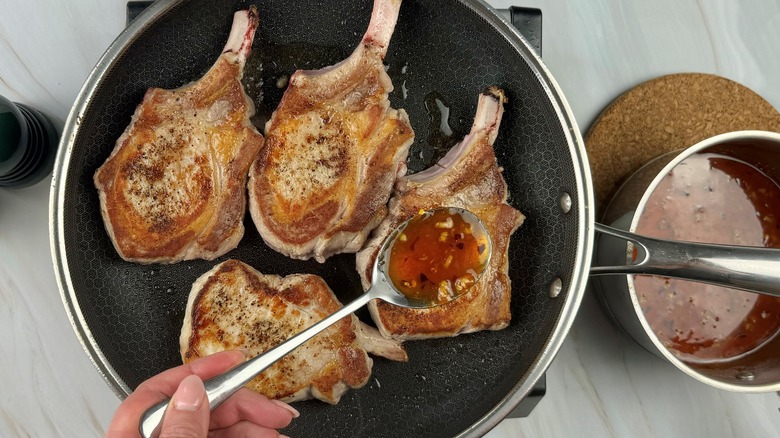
715	199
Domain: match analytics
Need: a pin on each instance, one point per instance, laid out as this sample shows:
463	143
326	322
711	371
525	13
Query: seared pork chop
173	188
234	306
466	177
334	148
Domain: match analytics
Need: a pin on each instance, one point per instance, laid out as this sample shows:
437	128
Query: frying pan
128	316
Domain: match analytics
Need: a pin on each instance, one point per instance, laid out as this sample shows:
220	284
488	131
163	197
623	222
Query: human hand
245	413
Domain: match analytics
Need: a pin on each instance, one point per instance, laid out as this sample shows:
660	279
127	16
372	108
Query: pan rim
585	201
58	187
585	219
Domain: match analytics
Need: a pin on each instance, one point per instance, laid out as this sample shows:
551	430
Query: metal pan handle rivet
745	376
555	287
565	202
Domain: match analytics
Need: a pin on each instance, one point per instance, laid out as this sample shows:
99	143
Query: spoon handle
222	386
753	269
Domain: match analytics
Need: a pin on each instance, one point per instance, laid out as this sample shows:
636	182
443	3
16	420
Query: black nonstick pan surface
128	316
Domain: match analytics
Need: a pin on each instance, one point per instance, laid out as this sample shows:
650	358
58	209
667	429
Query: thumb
188	412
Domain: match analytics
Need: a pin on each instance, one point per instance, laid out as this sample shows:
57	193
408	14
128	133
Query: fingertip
190	394
217	363
238	355
188	412
289	408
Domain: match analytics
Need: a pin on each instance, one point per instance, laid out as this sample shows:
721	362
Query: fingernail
189	395
245	351
283	436
294	411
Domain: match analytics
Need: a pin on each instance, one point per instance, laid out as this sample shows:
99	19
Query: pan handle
753	269
528	21
134	9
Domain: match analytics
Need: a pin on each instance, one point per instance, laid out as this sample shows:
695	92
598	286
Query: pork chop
173	188
334	148
234	306
469	177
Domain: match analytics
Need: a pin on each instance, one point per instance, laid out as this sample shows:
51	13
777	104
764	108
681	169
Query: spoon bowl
383	287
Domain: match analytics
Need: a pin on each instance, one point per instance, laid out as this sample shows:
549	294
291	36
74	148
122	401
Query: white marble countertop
600	384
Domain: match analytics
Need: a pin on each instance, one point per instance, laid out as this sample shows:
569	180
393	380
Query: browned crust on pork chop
173	187
468	177
334	148
234	306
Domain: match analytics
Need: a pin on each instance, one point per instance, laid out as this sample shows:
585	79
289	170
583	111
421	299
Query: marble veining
601	384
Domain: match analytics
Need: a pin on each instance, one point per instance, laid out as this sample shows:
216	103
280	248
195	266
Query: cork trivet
666	114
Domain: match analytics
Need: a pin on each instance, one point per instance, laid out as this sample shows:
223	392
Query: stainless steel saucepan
756	269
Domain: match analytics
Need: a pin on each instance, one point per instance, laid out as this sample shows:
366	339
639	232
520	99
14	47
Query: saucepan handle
753	269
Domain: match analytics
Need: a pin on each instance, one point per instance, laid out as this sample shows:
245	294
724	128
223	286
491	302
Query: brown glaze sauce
715	199
438	256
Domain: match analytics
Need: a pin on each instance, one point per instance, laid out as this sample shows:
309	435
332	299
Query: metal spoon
220	387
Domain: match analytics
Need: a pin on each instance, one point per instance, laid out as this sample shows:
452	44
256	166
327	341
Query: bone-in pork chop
173	188
469	177
334	149
234	306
